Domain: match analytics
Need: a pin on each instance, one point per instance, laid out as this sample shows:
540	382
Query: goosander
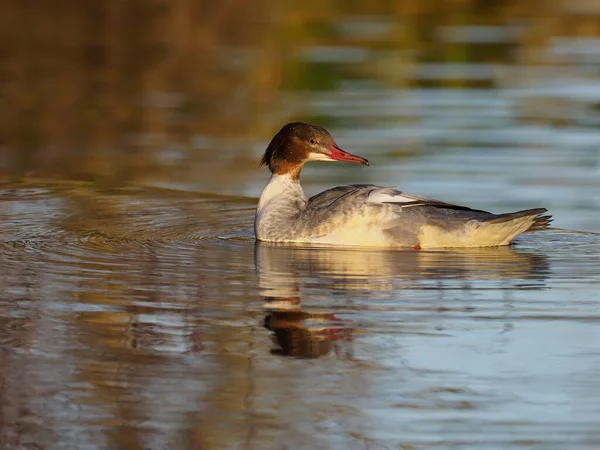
365	214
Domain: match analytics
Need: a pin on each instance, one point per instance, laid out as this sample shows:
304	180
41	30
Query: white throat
279	204
280	188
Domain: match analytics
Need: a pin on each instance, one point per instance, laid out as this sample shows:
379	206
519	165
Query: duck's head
297	143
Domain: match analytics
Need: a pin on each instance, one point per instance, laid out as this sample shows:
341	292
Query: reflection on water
286	270
149	318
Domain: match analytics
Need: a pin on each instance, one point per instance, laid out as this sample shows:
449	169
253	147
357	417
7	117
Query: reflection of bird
367	214
305	334
285	269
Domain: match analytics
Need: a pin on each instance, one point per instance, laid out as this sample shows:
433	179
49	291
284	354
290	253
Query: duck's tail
494	231
505	227
529	219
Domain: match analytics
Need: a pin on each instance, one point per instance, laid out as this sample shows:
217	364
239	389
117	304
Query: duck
366	214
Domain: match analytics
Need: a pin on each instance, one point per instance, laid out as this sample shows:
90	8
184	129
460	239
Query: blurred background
187	94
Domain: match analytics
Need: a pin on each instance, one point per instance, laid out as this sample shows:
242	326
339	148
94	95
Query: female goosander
364	214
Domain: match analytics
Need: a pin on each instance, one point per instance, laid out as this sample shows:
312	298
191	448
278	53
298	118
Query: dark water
149	318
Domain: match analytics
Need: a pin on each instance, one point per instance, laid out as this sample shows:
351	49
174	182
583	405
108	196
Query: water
149	318
136	309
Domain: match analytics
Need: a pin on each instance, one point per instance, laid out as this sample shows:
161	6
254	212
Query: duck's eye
312	141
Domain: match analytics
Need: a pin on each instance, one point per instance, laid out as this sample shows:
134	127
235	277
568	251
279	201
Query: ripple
159	300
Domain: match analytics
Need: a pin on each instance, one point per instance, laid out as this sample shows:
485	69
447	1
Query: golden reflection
181	91
286	270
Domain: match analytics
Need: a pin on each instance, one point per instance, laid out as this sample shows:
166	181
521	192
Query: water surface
136	310
149	318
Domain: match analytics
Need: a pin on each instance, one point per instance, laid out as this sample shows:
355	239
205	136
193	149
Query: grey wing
356	195
410	212
327	210
406	202
401	215
336	196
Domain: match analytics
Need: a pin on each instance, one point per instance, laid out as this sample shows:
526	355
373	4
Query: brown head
297	143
